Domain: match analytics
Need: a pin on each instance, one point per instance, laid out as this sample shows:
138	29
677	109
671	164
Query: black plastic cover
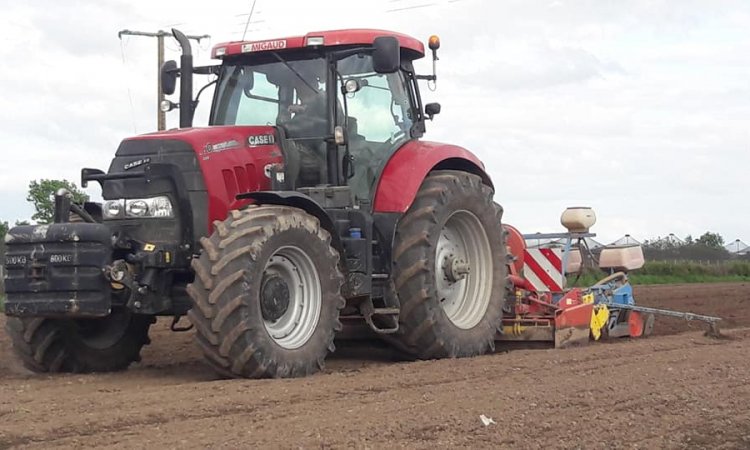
132	157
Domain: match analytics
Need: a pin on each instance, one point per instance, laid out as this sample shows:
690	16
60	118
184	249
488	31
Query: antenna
405	8
249	16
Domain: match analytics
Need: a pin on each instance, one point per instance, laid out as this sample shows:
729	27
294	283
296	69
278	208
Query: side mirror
90	175
386	57
169	77
431	109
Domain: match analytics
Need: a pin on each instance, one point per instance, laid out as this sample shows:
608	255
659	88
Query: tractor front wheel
267	294
449	268
108	344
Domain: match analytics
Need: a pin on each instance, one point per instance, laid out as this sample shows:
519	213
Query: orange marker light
434	42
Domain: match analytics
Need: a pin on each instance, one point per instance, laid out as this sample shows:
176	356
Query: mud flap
573	326
636	324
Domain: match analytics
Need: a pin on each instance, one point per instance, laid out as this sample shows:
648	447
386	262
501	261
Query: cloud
526	64
637	108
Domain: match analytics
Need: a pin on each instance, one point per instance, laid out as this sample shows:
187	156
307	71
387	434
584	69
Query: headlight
136	208
112	208
159	207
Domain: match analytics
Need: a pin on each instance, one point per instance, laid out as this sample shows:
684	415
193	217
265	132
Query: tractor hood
214	165
212	140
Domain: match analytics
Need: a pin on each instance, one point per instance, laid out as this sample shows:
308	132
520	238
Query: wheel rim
291	321
463	269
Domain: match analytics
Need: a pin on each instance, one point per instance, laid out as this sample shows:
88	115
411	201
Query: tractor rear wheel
449	269
108	344
267	294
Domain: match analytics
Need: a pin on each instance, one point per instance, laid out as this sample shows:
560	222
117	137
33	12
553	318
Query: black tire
425	329
80	346
230	276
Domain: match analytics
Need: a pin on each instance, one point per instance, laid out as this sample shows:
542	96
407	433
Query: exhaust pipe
186	80
63	201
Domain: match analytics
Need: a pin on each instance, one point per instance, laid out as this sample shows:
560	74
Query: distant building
626	240
737	247
592	243
669	241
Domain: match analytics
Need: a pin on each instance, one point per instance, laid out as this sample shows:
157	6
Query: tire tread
424	328
220	315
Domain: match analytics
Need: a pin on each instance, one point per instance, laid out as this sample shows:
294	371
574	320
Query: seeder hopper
542	308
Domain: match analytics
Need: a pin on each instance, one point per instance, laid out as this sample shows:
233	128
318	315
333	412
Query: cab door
379	119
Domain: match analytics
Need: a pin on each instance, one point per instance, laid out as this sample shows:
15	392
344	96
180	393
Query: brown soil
668	391
730	301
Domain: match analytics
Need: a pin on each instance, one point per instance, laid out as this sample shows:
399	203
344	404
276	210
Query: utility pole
161	116
161	119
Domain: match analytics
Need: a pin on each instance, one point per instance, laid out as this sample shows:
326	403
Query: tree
5	227
42	192
711	240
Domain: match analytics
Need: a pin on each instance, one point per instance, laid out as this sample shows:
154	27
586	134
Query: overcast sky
640	109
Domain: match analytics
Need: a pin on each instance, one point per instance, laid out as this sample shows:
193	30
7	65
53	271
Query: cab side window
379	119
381	107
262	108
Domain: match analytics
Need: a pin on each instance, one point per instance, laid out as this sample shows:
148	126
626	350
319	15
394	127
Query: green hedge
665	272
690	268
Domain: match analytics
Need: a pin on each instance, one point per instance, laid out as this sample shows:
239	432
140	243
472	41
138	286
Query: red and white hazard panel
542	268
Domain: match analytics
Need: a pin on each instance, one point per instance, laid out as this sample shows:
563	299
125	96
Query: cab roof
414	49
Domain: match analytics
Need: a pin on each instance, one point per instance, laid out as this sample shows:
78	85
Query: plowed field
677	389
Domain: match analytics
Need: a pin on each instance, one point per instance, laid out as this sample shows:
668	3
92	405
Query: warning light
434	42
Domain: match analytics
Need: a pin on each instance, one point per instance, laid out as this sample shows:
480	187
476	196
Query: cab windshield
264	93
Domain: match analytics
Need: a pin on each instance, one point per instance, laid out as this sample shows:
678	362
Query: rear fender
403	174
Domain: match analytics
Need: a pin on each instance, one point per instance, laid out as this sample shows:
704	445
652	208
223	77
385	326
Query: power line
405	8
127	85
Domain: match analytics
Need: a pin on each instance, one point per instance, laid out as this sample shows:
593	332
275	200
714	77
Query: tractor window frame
418	123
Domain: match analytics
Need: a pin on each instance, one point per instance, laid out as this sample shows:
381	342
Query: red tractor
308	209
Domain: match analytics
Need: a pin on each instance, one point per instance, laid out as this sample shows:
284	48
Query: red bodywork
636	324
572	325
412	46
230	169
408	167
516	247
241	168
536	318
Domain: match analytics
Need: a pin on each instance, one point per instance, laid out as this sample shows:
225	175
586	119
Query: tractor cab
340	103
